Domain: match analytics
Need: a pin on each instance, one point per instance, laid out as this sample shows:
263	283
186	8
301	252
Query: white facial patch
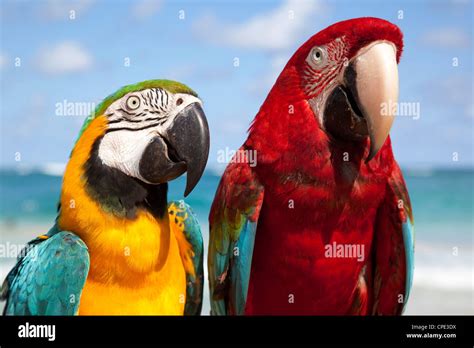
123	150
134	121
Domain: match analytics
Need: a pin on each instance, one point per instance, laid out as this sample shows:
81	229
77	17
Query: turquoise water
442	202
34	196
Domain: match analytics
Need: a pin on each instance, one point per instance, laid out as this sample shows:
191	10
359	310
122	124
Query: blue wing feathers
408	240
48	279
242	265
192	232
233	224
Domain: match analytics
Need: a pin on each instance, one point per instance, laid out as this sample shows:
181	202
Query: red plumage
314	197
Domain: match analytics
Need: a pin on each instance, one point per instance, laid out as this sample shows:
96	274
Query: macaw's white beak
361	105
376	86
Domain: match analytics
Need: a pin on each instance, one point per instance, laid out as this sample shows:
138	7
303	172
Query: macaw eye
317	55
133	102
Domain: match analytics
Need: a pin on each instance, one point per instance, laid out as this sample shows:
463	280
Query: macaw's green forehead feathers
168	85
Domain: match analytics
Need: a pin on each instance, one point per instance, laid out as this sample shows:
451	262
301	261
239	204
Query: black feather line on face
135	121
120	194
135	129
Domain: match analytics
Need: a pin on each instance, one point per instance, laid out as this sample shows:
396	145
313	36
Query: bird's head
153	131
347	73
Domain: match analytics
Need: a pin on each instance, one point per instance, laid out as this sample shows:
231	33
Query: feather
40	280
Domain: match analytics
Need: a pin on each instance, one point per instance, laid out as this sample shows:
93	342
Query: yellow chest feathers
135	268
135	264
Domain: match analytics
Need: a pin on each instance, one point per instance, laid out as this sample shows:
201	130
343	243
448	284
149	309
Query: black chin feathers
120	194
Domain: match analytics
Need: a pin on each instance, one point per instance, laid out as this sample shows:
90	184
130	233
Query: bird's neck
285	127
110	211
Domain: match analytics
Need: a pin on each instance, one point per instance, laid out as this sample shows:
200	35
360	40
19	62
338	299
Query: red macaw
321	224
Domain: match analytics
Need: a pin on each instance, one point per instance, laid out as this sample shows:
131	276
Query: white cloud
60	9
447	38
65	57
276	29
146	8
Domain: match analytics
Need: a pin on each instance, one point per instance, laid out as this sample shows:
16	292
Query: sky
55	52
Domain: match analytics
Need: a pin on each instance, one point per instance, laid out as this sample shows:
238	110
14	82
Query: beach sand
435	301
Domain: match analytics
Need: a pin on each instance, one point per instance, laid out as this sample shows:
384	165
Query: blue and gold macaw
118	247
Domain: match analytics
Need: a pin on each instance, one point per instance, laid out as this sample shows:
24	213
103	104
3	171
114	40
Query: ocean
442	202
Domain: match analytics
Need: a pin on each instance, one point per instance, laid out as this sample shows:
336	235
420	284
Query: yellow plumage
136	266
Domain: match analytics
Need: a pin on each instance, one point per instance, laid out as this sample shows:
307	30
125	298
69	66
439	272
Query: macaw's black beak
184	147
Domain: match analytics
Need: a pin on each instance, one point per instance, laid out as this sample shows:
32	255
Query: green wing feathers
233	224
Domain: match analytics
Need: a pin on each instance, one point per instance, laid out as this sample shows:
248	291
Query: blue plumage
240	275
408	241
192	232
49	277
233	225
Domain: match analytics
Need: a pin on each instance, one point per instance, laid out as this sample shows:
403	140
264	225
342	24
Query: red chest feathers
313	240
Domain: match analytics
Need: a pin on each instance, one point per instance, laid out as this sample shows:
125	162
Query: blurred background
59	58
